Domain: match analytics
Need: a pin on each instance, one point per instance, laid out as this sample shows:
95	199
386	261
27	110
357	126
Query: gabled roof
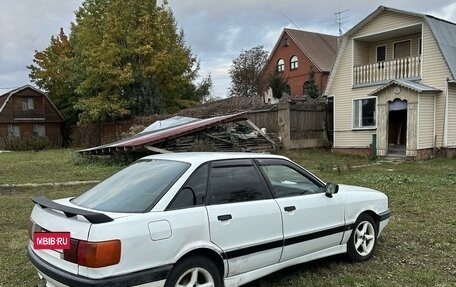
414	86
6	96
374	14
443	31
321	49
445	35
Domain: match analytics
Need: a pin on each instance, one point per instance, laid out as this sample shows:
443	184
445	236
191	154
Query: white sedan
202	219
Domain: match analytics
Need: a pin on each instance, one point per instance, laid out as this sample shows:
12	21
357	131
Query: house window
39	130
381	53
28	104
280	65
419	46
14	131
294	63
402	49
364	113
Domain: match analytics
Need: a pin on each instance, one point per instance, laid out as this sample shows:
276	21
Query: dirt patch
68	183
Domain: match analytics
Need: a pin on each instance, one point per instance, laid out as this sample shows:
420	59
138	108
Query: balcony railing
404	68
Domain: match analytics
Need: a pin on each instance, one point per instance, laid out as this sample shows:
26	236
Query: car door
245	221
311	220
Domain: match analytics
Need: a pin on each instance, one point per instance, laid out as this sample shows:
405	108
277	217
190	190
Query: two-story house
27	112
295	53
394	78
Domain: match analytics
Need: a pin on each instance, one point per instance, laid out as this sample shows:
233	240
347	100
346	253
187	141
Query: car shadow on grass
281	277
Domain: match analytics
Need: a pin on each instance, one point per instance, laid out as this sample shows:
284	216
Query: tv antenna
341	20
291	21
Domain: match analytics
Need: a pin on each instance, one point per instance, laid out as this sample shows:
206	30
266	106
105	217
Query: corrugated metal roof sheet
168	123
414	86
445	35
320	48
153	137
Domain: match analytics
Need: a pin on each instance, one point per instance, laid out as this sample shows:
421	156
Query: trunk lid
63	216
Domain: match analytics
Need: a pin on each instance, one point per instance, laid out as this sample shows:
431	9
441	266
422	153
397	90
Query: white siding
451	137
344	136
435	73
341	85
415	41
387	21
361	57
425	121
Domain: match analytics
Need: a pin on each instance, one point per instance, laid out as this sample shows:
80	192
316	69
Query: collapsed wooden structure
223	133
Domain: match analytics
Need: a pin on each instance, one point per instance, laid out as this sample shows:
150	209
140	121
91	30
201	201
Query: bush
26	143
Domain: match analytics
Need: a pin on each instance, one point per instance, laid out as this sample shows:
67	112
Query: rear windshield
134	189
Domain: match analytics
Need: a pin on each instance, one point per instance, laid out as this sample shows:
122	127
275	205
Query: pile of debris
178	134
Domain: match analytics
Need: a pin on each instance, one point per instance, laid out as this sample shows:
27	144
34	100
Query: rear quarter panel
140	247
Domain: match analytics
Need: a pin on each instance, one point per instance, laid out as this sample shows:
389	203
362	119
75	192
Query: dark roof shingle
320	48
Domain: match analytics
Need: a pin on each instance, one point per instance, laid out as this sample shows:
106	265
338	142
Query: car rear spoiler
91	216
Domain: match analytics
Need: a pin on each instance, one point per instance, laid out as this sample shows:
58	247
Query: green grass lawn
418	248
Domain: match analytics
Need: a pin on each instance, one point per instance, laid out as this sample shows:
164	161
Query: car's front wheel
363	239
196	271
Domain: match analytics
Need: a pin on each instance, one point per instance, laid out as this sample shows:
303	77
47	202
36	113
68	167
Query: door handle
289	208
224	217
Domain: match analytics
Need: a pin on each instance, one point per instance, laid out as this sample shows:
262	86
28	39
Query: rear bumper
158	274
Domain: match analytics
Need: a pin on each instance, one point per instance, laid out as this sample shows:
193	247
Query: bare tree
245	73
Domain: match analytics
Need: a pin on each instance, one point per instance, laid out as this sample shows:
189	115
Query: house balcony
402	68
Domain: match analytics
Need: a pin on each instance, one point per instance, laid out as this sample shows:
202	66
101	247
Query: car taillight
93	254
30	228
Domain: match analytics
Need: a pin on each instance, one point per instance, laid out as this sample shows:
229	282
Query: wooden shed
28	112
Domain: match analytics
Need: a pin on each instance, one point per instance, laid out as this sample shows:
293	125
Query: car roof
202	157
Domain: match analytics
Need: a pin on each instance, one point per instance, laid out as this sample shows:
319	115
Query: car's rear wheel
196	271
363	239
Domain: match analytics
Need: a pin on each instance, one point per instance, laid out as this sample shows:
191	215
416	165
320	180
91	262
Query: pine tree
311	88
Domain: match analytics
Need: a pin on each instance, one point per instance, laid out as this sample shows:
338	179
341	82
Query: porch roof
412	85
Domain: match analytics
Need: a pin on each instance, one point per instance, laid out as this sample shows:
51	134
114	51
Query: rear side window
229	184
193	193
134	189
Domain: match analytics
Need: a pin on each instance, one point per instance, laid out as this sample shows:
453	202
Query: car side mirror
331	188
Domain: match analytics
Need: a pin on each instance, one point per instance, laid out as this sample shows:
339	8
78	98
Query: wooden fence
300	125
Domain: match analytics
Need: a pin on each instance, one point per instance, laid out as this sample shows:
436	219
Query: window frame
399	42
11	130
169	206
294	62
28	103
36	131
420	46
237	163
360	119
280	65
274	161
376	53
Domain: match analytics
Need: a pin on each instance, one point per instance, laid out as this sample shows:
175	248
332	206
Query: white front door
311	220
316	223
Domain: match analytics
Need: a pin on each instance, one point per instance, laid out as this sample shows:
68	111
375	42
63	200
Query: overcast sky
216	30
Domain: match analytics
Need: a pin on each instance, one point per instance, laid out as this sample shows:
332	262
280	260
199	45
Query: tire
363	239
193	272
